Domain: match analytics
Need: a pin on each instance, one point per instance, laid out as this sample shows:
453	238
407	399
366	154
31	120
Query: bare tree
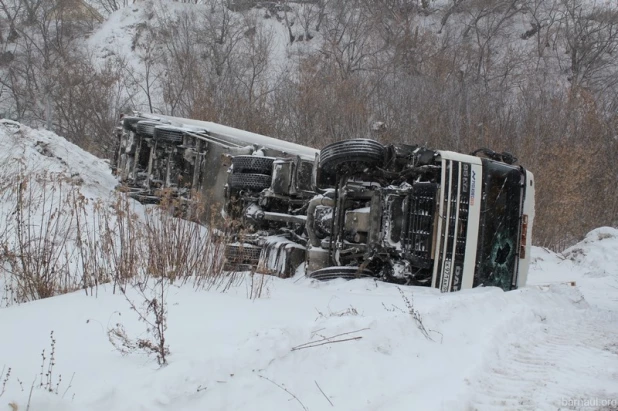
220	33
31	8
148	75
111	6
308	16
591	36
253	69
182	71
347	38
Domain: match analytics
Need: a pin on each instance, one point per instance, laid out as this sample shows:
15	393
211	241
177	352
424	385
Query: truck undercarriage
356	208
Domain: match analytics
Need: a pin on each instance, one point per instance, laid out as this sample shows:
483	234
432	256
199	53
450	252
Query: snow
551	342
115	35
548	346
220	130
525	349
27	151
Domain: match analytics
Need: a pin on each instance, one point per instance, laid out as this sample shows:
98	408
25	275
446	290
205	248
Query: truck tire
361	152
254	182
146	127
130	123
345	272
253	164
167	134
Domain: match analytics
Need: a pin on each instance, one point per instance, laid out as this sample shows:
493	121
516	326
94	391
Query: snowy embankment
54	203
357	345
27	151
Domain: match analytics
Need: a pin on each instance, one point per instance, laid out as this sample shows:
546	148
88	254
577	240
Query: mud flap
281	258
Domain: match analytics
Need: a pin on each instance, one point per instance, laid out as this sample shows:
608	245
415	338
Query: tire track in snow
550	363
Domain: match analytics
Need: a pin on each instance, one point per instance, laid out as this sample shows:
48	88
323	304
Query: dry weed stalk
5	379
47	379
330	340
414	313
152	311
286	390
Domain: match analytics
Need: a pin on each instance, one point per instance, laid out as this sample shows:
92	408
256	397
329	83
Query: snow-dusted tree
111	6
591	37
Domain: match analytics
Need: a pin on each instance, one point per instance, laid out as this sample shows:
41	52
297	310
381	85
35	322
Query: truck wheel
345	272
253	164
167	134
255	182
146	127
130	123
353	153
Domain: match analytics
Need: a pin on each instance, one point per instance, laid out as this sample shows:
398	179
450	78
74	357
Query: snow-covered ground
552	345
537	348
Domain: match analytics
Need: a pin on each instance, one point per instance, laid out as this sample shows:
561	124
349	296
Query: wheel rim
345	272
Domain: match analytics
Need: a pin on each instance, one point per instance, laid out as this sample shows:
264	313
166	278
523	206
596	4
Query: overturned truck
356	208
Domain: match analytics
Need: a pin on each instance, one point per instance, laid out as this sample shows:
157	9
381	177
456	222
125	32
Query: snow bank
28	151
597	253
592	265
49	189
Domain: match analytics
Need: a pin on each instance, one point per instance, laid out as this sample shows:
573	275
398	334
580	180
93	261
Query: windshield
497	257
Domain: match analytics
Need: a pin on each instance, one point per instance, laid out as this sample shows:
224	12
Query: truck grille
241	256
418	234
460	246
454	226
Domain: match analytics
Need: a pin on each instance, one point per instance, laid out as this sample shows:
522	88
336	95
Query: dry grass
56	241
34	247
53	241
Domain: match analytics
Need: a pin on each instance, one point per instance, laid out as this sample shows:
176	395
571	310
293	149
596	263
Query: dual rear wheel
251	173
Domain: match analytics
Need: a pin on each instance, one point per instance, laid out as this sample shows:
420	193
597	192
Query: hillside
267	343
538	78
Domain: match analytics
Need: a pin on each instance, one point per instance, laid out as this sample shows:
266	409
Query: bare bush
412	311
109	242
55	241
152	311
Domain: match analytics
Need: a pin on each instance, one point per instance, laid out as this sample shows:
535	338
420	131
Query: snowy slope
28	151
123	37
49	189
